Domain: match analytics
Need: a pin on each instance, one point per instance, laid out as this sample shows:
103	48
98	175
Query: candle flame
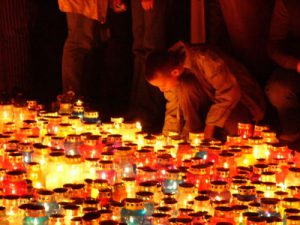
138	125
103	176
218	198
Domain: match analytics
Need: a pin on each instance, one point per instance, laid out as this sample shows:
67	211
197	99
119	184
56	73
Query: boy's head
163	70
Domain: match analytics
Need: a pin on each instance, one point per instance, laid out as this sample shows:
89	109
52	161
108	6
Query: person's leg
15	25
150	100
79	43
283	91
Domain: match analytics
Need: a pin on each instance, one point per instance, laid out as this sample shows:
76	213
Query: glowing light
103	176
38	185
282	186
138	125
218	198
226	165
71	152
131	219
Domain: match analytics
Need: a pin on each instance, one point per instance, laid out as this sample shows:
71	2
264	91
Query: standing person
283	88
86	21
17	18
149	34
211	90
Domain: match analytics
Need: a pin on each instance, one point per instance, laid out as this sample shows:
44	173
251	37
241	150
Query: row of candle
145	173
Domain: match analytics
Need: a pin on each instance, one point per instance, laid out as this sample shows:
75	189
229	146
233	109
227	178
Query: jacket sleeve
172	119
226	91
277	37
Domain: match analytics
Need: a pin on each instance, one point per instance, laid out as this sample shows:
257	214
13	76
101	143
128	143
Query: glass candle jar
26	150
14	183
53	124
74	168
40	155
219	191
145	173
145	157
160	219
245	130
72	145
91	116
260	150
256	221
11	203
223	214
186	194
15	161
184	152
124	163
46	199
199	175
106	171
202	203
293	220
92	147
35	215
151	186
134	212
91	166
293	177
258	130
164	162
147	198
247	157
34	174
269	207
57	219
116	208
172	181
130	186
227	160
70	211
54	176
78	109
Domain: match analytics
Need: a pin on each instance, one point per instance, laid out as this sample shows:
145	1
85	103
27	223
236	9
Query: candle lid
181	221
108	222
45	196
91	203
133	203
33	210
293	218
15	175
57	218
91	217
76	221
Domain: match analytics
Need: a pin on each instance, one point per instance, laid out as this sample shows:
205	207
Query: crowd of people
174	86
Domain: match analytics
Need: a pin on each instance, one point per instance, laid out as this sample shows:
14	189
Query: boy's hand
147	4
209	131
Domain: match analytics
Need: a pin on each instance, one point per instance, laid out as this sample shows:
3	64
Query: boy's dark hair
161	61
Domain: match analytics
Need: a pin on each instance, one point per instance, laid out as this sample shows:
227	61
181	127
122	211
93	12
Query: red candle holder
199	175
145	173
92	147
245	130
145	157
14	183
106	172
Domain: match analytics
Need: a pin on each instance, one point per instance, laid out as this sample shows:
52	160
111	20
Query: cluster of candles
68	168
